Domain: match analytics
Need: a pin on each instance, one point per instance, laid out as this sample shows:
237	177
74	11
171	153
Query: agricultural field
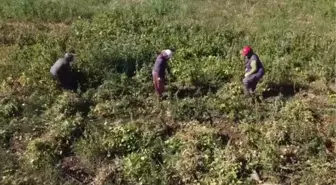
115	131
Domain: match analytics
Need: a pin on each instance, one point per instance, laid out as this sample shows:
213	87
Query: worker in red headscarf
254	70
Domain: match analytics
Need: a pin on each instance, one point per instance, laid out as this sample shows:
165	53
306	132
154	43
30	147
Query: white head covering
168	52
70	56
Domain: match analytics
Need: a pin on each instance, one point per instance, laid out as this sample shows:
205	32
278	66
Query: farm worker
159	71
254	70
62	72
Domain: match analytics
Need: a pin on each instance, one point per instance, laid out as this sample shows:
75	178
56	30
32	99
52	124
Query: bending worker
254	70
159	71
62	72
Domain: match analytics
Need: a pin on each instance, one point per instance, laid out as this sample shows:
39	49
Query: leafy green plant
206	131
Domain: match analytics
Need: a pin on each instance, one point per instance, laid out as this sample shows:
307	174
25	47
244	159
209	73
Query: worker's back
61	70
260	67
160	66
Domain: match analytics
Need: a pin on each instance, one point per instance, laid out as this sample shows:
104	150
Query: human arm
54	71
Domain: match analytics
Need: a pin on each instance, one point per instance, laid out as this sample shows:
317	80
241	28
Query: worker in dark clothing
254	70
159	71
62	72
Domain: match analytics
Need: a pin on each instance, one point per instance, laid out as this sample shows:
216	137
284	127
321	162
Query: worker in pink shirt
159	71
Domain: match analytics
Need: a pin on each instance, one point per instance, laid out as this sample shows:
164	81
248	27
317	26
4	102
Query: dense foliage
114	131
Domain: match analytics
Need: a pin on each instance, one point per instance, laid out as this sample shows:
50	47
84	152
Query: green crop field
115	131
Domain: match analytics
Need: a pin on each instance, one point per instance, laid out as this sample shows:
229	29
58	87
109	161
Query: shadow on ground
286	90
197	90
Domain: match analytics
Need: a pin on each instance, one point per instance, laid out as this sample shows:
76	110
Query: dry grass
12	32
5	52
255	16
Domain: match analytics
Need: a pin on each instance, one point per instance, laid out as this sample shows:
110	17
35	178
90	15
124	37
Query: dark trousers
69	83
250	82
